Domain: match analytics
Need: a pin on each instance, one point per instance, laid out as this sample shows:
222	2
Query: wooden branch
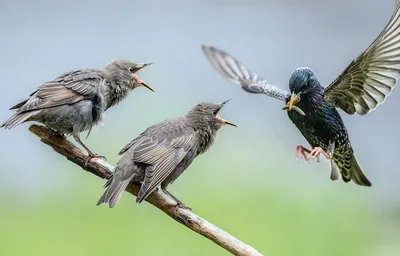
103	170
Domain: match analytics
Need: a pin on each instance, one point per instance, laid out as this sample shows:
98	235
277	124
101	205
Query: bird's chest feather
114	93
321	125
206	138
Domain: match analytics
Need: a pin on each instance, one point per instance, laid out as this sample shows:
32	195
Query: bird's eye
132	69
215	112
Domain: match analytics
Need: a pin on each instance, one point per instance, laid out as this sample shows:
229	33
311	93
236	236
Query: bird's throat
311	101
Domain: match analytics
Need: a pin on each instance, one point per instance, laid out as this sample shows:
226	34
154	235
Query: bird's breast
321	125
113	93
206	139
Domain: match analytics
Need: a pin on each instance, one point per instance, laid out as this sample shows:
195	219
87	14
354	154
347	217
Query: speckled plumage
160	154
360	88
322	124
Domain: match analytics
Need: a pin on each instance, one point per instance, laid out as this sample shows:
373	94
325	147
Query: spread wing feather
236	72
369	79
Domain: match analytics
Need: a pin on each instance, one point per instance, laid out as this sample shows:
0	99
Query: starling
360	88
163	151
75	101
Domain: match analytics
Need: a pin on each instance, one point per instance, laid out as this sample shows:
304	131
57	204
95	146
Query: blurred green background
249	183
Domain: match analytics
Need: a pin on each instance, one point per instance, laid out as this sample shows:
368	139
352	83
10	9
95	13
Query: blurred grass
274	220
279	209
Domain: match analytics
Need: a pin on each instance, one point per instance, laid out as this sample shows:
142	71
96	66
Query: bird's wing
66	89
161	148
237	73
369	79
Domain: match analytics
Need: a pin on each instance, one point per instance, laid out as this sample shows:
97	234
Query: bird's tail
18	119
115	187
351	170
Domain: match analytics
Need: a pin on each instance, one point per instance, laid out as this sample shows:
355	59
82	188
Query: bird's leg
301	151
179	203
315	152
91	155
331	149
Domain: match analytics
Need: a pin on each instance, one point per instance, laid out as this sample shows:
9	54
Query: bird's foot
301	152
315	153
180	205
94	156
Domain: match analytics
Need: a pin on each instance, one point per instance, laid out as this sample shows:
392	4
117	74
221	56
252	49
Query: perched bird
360	88
75	101
163	151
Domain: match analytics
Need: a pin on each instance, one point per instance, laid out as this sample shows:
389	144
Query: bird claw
315	153
181	206
301	152
92	156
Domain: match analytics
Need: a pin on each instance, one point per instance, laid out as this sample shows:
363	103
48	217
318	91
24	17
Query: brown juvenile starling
163	151
75	101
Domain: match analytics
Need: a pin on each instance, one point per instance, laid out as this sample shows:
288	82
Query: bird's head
302	82
206	115
127	72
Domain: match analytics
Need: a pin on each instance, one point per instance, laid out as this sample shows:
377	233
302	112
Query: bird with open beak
360	88
75	101
160	154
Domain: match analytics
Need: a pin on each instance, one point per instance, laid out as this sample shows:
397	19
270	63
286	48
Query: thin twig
103	170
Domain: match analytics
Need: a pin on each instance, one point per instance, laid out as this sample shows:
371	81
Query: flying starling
163	152
360	88
75	101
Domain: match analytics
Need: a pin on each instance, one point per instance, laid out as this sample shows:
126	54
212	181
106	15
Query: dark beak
223	120
224	102
144	65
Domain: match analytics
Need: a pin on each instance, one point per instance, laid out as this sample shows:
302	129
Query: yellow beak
294	99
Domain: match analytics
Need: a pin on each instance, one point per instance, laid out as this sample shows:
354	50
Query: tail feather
335	172
351	170
115	187
356	173
18	119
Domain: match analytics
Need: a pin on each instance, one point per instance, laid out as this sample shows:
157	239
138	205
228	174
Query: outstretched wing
237	73
369	79
161	147
66	89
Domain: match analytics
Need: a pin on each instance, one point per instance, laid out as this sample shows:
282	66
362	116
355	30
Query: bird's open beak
294	99
141	82
223	120
224	102
229	123
146	85
144	65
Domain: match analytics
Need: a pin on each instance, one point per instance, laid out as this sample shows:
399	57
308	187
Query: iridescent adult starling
362	86
163	151
75	101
